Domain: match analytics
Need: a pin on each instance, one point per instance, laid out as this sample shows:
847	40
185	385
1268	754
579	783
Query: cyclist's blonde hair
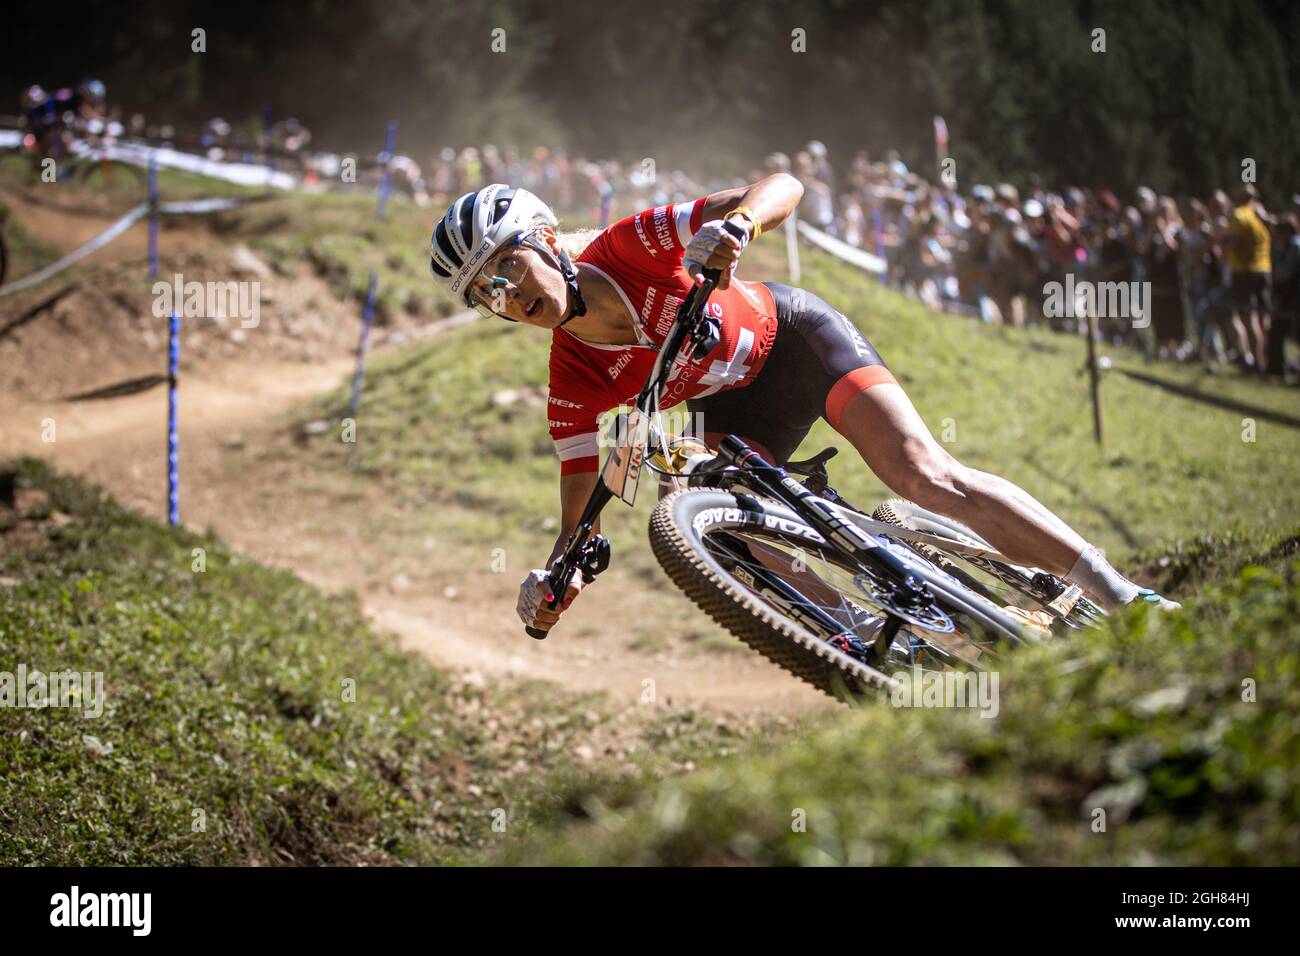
577	240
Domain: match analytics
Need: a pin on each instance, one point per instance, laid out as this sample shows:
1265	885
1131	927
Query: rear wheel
113	177
724	551
1031	589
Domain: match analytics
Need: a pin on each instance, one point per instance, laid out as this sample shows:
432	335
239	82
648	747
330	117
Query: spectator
1195	262
821	165
1251	267
816	206
1286	288
1160	264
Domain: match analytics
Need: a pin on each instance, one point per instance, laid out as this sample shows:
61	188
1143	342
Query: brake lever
593	558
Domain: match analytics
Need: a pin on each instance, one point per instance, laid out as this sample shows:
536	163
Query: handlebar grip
536	633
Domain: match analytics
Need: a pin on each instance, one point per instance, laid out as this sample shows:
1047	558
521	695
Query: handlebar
589	555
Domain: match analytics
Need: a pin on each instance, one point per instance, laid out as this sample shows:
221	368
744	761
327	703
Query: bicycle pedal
1066	600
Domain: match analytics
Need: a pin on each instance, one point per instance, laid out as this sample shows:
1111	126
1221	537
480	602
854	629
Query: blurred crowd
1218	278
1214	279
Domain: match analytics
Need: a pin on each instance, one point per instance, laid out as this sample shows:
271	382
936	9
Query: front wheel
741	559
113	177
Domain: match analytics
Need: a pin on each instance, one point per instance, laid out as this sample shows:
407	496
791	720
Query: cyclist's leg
863	401
895	443
890	435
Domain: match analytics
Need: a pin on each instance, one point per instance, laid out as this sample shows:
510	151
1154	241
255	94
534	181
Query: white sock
1093	573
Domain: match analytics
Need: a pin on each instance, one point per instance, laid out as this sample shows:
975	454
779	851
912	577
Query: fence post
792	246
153	215
606	204
878	230
173	438
367	319
386	157
1094	377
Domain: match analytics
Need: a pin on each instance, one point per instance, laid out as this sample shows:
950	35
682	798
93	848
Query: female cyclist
785	358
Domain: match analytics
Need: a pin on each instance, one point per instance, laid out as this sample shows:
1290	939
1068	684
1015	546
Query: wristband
753	220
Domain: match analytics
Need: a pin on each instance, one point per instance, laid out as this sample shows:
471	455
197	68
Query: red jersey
641	256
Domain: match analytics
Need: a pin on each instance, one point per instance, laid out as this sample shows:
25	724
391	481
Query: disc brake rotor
923	614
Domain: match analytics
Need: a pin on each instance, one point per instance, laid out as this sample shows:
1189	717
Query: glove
535	591
713	247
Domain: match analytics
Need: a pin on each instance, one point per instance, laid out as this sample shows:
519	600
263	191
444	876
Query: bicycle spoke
850	596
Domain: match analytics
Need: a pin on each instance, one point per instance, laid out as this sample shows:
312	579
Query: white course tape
103	239
242	174
137	154
433	328
200	205
841	249
115	230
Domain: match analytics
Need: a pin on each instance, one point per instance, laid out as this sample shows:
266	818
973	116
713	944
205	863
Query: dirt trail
240	476
245	476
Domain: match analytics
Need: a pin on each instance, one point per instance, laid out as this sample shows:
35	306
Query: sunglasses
499	276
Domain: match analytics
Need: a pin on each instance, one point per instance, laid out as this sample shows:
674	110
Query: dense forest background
1185	90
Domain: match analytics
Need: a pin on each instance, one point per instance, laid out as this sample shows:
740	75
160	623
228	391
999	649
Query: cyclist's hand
713	247
534	594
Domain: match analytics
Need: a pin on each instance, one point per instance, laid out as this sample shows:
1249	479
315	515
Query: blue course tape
368	319
173	437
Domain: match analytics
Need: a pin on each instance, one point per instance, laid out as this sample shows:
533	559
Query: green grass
224	686
456	426
224	694
338	236
1012	402
1169	741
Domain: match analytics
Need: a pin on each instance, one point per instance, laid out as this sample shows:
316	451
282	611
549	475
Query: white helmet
477	225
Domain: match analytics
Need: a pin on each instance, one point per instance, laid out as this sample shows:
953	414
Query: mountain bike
87	162
847	601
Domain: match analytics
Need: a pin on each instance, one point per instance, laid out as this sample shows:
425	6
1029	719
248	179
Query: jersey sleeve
654	240
575	399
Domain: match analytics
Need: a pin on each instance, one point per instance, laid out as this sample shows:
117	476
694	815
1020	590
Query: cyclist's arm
772	199
575	489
